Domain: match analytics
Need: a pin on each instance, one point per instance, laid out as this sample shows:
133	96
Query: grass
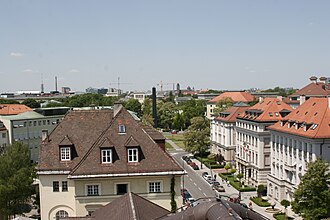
235	183
178	139
281	216
168	146
260	202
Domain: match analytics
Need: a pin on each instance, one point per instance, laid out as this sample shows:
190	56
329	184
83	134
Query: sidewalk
245	196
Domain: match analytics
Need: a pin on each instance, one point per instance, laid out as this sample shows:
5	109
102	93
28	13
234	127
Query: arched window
60	214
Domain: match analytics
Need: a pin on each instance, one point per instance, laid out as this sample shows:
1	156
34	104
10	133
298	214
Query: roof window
122	129
314	126
271	114
315	113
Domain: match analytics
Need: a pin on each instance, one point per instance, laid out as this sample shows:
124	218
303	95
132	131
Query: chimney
302	99
323	79
313	79
154	107
44	135
55	83
117	106
280	97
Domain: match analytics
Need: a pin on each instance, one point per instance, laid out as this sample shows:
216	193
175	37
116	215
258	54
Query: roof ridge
132	205
93	145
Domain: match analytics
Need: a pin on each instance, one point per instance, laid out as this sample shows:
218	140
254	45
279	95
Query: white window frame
61	214
153	185
65	153
106	155
133	155
93	184
122	129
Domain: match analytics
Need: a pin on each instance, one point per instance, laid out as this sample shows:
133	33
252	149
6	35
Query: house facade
253	139
296	140
94	156
223	132
3	137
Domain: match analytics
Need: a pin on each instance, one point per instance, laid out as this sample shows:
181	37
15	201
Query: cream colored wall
52	202
209	108
138	185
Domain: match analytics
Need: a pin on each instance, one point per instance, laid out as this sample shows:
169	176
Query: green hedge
216	166
281	216
235	183
260	202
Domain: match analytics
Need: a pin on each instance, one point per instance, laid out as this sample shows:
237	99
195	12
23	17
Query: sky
204	44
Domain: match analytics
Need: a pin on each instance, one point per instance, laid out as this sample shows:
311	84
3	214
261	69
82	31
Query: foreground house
223	132
253	139
297	139
94	156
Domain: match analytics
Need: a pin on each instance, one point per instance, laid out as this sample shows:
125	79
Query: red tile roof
13	109
269	109
311	119
230	114
235	96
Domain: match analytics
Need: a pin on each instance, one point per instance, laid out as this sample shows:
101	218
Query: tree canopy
312	198
134	105
197	136
32	103
16	178
7	101
222	105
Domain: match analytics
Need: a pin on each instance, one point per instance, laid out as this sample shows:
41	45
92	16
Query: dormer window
65	153
106	155
122	129
133	154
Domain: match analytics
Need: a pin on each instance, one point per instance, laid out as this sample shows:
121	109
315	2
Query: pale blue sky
205	44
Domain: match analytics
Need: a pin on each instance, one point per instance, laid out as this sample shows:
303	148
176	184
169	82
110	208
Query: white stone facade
290	155
223	139
253	151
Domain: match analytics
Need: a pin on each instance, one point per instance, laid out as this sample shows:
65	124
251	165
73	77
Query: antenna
42	83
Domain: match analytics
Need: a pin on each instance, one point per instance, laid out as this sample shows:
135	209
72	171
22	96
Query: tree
285	203
227	167
147	120
239	177
260	190
222	105
7	101
197	136
166	114
32	103
16	178
134	105
232	170
312	197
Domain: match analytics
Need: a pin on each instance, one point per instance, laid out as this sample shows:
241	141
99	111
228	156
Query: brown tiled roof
130	206
90	130
235	96
82	128
314	89
311	119
13	109
230	114
135	135
269	109
153	133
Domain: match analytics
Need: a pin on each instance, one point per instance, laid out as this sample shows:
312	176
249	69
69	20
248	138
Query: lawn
168	146
260	202
281	216
178	139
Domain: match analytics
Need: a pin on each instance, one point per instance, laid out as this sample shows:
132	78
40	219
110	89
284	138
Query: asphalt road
192	181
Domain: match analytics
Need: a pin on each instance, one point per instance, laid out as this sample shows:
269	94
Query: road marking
190	179
199	189
195	184
204	194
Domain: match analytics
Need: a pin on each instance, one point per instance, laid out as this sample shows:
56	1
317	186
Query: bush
260	202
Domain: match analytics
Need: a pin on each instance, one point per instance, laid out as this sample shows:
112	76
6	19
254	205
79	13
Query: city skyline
206	45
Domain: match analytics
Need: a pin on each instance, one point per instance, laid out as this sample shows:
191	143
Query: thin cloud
74	71
27	71
16	54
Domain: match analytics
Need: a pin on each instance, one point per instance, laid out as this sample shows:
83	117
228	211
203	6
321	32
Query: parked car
191	202
174	132
194	166
215	184
219	188
183	190
186	195
207	177
204	174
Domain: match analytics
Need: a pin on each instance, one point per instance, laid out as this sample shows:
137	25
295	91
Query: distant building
3	137
66	90
236	96
253	157
316	88
113	92
299	138
7	95
179	100
140	96
13	109
27	127
207	96
223	132
94	156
